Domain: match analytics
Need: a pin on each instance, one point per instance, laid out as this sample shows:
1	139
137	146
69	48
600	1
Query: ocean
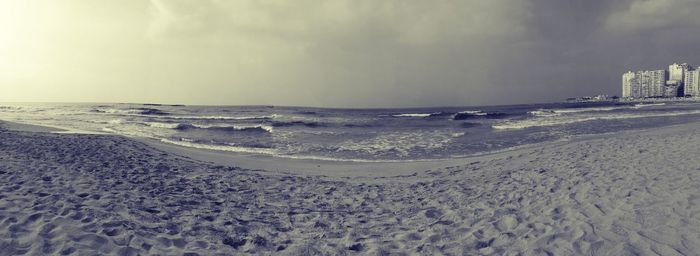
410	134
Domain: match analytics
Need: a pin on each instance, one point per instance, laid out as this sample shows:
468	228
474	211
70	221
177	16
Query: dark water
354	134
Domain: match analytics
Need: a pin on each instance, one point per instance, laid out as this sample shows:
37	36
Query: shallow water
354	134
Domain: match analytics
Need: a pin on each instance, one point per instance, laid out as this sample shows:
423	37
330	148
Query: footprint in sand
506	223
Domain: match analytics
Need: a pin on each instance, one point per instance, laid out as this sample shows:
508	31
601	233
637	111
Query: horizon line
282	106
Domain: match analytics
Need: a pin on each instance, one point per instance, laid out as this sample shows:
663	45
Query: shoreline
17	126
29	127
276	165
308	166
628	192
367	170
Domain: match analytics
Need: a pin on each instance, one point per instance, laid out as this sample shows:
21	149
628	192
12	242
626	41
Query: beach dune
633	193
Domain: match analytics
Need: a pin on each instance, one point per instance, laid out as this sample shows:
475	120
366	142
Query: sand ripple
89	194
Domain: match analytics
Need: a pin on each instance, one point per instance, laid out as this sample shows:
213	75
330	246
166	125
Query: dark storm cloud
581	47
653	33
561	54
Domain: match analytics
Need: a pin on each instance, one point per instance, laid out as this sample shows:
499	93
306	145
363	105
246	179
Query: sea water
410	134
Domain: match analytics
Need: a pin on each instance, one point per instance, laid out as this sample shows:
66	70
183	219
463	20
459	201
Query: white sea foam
22	109
266	151
559	111
401	144
273	116
229	148
118	111
109	130
235	127
562	120
163	125
116	121
543	112
458	134
414	115
593	109
10	109
139	112
474	112
642	105
266	128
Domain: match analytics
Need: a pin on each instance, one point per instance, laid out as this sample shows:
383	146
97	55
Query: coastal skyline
679	80
336	54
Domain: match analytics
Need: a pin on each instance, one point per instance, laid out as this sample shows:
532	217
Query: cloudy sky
336	53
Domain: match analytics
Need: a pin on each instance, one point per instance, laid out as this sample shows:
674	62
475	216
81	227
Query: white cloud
407	21
360	49
302	52
654	14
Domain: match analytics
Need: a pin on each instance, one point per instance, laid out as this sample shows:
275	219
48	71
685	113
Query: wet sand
636	192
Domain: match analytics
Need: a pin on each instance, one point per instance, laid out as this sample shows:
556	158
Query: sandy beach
632	193
345	127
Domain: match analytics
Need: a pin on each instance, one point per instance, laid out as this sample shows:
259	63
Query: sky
335	53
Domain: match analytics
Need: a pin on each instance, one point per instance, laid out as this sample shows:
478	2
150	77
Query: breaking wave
222	117
298	123
223	127
563	120
455	116
229	148
476	114
156	113
559	111
10	108
642	105
417	114
131	111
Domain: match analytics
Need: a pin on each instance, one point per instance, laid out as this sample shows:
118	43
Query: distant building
676	72
628	79
657	82
678	81
644	84
672	88
691	83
